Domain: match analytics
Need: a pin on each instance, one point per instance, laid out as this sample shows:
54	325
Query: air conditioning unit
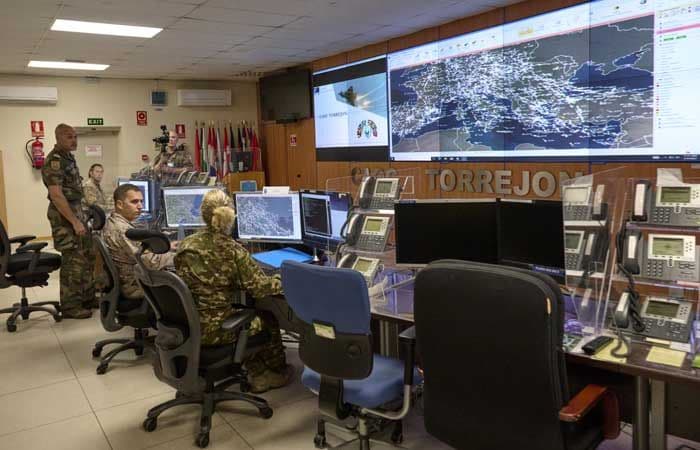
29	94
203	97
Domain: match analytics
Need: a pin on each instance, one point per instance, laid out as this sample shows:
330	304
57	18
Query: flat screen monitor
146	188
183	206
323	215
531	235
428	230
268	217
285	97
351	112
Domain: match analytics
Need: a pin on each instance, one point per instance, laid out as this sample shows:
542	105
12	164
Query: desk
395	308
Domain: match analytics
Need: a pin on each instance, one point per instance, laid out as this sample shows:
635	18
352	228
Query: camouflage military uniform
123	252
94	195
214	267
172	163
77	254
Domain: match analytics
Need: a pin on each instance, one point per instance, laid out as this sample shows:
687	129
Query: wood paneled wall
297	166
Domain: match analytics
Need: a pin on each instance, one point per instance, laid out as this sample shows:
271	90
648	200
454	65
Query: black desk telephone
670	257
676	205
368	267
365	232
663	318
585	249
379	193
578	204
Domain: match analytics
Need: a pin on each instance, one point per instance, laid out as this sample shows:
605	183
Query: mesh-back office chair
200	374
490	342
336	348
27	267
117	311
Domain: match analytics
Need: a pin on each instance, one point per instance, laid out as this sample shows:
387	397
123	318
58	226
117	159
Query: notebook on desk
274	258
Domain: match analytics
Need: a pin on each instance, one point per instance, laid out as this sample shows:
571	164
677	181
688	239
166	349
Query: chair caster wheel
11	327
397	438
150	424
202	440
57	318
96	352
245	386
101	370
265	413
320	441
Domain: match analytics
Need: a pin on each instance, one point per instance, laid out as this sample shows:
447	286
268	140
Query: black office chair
490	341
336	347
200	374
117	312
27	267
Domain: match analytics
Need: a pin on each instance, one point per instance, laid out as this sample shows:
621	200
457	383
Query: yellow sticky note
605	353
665	356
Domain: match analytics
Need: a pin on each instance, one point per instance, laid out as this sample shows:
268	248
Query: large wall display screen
605	80
350	112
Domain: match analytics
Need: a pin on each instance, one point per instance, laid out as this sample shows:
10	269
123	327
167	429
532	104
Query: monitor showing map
145	188
268	217
603	80
350	111
183	206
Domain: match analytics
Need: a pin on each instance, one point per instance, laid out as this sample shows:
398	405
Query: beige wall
114	100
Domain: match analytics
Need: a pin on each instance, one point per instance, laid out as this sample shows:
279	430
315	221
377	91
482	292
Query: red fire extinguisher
36	154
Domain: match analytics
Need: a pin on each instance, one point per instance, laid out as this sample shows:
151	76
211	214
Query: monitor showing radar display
268	217
145	188
183	206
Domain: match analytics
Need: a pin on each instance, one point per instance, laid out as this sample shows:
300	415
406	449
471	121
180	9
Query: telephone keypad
381	203
371	243
581	212
571	261
661	215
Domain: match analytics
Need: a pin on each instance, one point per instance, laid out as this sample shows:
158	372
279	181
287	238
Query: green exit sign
96	121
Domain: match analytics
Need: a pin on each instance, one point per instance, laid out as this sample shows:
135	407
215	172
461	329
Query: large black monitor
146	188
323	215
531	235
268	217
285	96
428	230
183	206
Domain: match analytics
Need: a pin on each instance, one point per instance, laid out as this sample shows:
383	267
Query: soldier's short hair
120	192
92	167
62	128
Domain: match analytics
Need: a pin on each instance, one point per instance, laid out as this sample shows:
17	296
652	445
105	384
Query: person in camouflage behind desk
215	267
168	165
62	179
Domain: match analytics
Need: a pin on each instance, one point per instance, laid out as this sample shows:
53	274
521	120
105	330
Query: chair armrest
22	239
33	247
237	320
407	340
586	400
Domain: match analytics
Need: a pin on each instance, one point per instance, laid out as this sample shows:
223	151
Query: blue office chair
336	348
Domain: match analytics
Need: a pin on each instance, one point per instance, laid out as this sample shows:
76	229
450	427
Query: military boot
77	313
271	379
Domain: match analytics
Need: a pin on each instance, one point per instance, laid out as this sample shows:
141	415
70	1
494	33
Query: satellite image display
266	216
184	209
590	88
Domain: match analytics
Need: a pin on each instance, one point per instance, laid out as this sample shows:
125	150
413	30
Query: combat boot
77	313
271	379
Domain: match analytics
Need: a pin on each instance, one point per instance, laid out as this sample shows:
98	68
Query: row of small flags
214	145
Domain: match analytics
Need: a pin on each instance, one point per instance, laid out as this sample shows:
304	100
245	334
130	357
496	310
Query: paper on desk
665	356
606	355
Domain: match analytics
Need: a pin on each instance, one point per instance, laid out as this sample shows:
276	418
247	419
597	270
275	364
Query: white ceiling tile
288	7
241	16
204	26
305	35
313	24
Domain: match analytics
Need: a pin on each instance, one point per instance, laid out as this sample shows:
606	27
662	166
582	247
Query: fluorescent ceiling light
111	29
66	65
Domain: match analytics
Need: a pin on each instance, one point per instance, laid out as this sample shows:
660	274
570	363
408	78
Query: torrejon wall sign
498	182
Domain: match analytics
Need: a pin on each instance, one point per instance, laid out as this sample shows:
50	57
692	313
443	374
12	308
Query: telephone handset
671	205
368	267
579	206
622	311
660	317
585	249
368	233
379	193
670	257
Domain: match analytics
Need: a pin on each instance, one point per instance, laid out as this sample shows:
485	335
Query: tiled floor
51	398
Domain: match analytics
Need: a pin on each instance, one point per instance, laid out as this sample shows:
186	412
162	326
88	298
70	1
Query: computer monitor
428	230
268	217
183	206
323	215
145	186
531	235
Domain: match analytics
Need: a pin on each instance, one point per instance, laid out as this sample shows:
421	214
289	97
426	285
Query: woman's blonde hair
217	212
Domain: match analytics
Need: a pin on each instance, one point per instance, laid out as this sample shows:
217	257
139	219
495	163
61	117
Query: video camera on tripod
163	139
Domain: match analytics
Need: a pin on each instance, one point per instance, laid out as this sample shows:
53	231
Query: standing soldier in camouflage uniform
215	267
170	164
94	195
70	237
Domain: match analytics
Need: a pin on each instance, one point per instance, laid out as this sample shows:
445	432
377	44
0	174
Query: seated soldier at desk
128	203
214	266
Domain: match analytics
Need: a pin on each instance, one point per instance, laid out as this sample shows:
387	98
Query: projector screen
605	80
350	112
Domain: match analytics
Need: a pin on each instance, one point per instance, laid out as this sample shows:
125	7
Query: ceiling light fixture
66	65
110	29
